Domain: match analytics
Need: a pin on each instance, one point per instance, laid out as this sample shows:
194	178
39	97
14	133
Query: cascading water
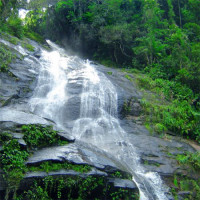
81	100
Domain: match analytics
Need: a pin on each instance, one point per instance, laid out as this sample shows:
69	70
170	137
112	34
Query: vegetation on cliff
158	37
156	40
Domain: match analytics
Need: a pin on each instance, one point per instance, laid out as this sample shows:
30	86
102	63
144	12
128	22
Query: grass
13	156
128	77
34	36
28	46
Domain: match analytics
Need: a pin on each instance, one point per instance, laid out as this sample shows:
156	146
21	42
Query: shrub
15	26
12	161
6	57
40	136
34	36
190	159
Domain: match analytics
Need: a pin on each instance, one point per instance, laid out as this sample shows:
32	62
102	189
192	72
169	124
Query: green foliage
28	46
40	136
190	186
15	26
13	157
14	40
34	36
5	137
160	128
51	166
126	107
34	22
171	108
12	161
6	57
190	159
117	174
74	188
175	182
128	77
123	194
36	192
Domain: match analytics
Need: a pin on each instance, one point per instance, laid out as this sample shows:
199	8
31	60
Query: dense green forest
159	38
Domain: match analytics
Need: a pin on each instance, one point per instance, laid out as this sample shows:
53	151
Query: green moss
149	127
41	136
14	40
146	162
192	160
160	128
49	166
121	174
128	77
126	107
109	73
6	57
28	46
13	156
34	36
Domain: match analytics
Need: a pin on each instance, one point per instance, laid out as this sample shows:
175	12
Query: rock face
74	153
15	91
20	117
18	84
126	89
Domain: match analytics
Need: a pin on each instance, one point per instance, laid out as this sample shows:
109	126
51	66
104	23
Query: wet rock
10	100
74	154
17	135
135	108
74	86
19	82
22	143
149	161
30	177
71	110
123	183
94	172
130	126
160	149
126	89
184	194
37	54
7	126
65	136
19	117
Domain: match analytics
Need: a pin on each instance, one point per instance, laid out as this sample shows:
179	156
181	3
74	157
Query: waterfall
82	101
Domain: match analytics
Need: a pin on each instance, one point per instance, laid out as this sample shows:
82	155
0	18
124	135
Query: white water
97	123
